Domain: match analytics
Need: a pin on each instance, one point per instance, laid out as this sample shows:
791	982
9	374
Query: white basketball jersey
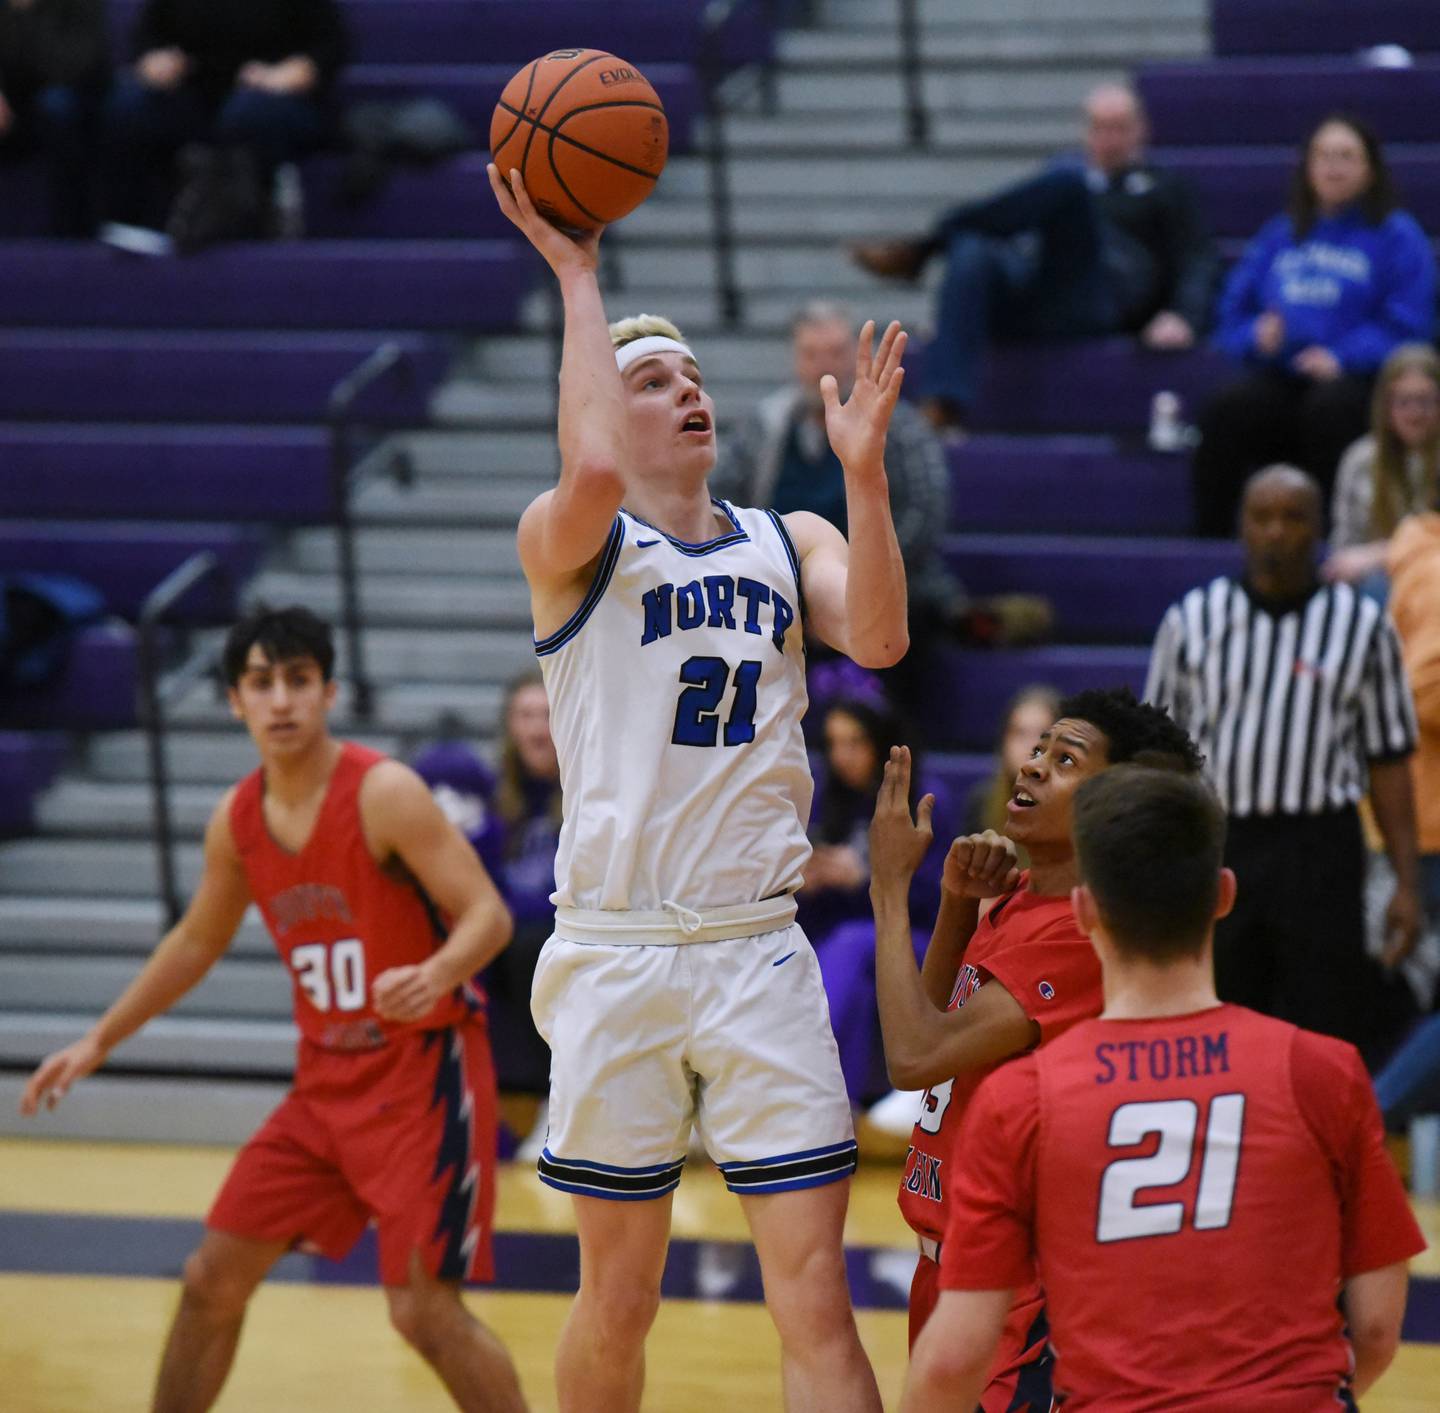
676	691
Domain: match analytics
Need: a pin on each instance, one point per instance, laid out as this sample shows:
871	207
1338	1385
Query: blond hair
643	326
1392	494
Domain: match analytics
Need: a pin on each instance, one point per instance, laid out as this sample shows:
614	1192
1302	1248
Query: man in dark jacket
249	77
53	69
1101	246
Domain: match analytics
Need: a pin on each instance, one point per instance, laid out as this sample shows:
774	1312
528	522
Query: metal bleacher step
415	710
130	926
401	549
93	868
973	41
76	806
203	1044
254	988
940	14
394	600
216	758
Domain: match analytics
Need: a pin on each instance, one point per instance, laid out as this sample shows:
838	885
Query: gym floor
92	1236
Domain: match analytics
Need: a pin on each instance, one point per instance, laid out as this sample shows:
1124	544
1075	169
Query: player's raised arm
566	527
179	963
924	1043
403	821
855	593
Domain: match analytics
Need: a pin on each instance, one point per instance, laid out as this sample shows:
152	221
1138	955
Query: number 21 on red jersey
1182	1143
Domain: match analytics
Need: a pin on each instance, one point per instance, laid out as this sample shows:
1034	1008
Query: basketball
587	133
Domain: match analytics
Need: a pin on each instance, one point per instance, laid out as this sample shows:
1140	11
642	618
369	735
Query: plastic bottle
1167	432
289	202
1425	1155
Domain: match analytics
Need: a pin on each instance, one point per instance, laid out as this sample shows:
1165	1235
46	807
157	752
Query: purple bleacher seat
446	201
974	686
474	89
960	772
1075	485
464	285
94	691
1101	589
505	31
1322	26
1090	385
122	375
167	473
125	562
1242	187
1279	100
29	761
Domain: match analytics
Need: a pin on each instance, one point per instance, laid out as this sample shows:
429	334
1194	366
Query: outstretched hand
857	426
56	1073
897	842
562	251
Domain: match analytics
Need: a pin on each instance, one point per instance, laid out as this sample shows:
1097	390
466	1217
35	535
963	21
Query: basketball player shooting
677	990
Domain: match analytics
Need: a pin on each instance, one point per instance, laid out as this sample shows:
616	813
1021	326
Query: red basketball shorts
402	1136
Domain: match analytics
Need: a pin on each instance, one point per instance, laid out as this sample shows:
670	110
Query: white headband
627	353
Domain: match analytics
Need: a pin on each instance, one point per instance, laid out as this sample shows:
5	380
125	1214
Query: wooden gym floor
92	1235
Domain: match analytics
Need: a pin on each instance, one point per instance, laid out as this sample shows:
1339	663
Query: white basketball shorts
730	1037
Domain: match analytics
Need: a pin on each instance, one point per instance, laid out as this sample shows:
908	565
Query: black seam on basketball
519	116
560	182
575	142
544	107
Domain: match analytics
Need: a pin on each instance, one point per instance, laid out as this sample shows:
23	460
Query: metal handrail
917	116
389	358
717	160
158	603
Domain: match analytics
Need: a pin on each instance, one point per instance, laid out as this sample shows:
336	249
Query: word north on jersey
717	601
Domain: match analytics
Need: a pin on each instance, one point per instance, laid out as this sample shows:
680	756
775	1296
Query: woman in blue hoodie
1318	301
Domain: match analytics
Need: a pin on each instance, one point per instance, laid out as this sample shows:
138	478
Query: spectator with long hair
1322	296
1031	712
1392	472
835	901
526	806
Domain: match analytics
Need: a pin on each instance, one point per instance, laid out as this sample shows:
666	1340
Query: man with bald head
1095	245
1295	691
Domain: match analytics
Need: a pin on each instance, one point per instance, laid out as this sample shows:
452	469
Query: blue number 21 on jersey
697	713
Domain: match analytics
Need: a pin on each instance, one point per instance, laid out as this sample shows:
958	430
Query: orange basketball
587	133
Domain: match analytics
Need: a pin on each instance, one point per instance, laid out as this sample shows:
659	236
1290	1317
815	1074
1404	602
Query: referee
1295	692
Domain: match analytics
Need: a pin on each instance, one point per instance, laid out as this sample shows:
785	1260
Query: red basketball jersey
338	918
1197	1189
1032	945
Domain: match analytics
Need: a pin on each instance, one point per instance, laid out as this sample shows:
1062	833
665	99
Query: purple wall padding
164	473
122	375
125	562
462	285
1322	26
974	686
1101	590
1078	485
95	690
1279	100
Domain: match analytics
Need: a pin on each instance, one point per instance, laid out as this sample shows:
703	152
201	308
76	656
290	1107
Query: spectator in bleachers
1105	244
1323	294
54	65
527	808
246	80
1392	472
834	903
1295	693
780	458
1031	712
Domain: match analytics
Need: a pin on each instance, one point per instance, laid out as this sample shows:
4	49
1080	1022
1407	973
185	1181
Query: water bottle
289	202
1425	1155
1167	432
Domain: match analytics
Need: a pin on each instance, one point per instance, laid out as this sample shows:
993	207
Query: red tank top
338	918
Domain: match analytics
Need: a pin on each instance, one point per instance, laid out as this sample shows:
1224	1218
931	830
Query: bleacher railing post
161	599
912	75
389	357
717	157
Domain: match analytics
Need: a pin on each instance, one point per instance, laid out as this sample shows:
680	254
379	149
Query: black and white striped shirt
1288	702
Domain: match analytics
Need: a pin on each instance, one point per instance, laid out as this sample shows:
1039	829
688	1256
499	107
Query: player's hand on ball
857	426
981	866
56	1073
897	842
405	994
562	250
